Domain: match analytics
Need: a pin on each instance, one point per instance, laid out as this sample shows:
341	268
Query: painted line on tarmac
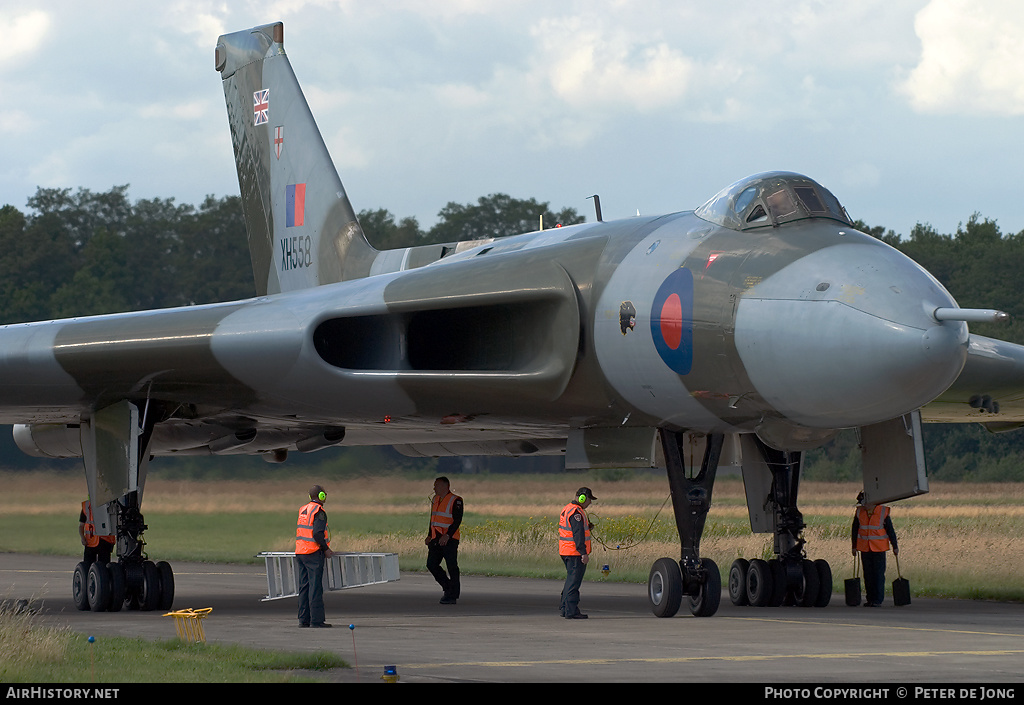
695	659
887	626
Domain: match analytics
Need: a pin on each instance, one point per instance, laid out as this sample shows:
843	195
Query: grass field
962	540
30	653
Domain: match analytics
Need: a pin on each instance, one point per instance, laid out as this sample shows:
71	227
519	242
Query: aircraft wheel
166	584
759	582
665	587
779	589
79	587
810	586
133	582
738	582
824	582
117	587
150	597
709	596
98	587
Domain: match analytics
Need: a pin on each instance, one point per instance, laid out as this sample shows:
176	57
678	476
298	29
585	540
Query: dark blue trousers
874	576
311	587
449	581
574	570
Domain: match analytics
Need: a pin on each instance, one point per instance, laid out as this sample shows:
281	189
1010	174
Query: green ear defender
582	498
323	495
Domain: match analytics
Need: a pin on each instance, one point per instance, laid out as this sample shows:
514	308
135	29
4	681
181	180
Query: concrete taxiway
508	630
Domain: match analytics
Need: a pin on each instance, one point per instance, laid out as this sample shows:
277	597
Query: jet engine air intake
457	331
498	338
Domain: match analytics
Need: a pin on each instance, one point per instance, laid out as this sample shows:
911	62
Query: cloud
25	32
970	58
604	66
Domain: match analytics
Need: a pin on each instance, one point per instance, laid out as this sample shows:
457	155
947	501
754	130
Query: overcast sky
908	110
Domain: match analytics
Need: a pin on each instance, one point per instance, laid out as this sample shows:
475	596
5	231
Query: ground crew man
574	548
443	540
871	534
312	549
96	547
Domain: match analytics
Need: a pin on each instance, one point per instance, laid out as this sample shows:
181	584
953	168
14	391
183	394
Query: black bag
900	588
853	586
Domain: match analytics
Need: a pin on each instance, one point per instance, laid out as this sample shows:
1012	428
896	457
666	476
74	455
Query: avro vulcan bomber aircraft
743	332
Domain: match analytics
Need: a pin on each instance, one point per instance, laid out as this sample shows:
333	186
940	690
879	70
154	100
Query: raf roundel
672	321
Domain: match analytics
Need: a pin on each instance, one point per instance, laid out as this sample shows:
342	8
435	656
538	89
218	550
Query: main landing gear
132	582
790	578
109	587
696	578
115	442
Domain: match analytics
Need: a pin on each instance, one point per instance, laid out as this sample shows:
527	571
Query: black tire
133	585
98	587
117	587
810	586
665	588
166	584
759	583
79	587
738	582
150	597
709	596
824	582
779	587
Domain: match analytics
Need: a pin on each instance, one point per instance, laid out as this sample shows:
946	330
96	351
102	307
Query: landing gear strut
114	450
694	577
790	577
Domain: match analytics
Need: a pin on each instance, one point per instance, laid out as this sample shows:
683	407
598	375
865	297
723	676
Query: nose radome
846	336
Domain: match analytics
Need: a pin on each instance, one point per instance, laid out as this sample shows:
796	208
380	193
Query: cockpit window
745	198
781	204
757	214
809	197
771	199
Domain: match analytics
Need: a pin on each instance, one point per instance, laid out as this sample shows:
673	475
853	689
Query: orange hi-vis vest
91	539
566	543
871	535
304	541
441	516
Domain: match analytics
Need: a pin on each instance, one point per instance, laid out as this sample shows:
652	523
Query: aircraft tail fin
301	227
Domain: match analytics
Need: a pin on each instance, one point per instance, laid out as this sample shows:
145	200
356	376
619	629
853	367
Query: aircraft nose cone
845	337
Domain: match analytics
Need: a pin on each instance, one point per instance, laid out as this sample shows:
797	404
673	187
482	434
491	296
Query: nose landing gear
694	577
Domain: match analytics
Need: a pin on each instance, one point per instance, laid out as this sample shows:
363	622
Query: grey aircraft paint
762	311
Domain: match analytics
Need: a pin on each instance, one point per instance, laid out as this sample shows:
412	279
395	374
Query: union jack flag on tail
261	106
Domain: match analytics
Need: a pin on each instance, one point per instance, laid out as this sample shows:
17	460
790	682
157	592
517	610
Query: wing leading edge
989	390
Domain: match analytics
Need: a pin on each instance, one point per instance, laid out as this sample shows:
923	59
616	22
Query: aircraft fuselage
667	321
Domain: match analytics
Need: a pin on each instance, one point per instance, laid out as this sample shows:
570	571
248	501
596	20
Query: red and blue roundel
672	321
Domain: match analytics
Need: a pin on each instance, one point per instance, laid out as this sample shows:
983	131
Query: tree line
74	253
81	253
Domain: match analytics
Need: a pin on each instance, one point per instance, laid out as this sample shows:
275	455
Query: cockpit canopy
771	199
